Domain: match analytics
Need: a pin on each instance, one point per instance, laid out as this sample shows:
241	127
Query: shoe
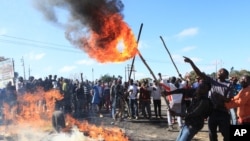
136	117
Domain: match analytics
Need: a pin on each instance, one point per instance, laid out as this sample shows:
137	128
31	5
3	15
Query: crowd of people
220	101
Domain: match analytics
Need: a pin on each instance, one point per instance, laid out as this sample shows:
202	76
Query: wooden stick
132	65
171	58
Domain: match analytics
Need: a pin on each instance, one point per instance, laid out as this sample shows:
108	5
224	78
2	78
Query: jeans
133	105
187	133
113	109
233	116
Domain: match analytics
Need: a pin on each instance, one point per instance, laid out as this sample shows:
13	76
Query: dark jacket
199	109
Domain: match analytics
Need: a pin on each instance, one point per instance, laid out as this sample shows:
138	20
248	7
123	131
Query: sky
213	34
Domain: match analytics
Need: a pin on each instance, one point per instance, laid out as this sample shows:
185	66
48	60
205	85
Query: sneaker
136	117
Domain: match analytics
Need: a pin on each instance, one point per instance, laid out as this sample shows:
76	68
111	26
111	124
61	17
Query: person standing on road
233	111
97	93
145	99
156	95
220	116
175	101
120	97
113	99
133	103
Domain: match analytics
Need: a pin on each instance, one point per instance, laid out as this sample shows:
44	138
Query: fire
31	115
94	26
103	44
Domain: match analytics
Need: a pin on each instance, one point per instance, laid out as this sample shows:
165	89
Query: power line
60	47
30	40
38	44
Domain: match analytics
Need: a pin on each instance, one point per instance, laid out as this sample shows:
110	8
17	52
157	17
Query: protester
156	95
120	98
133	103
242	101
198	110
175	101
145	99
97	93
106	95
236	87
220	116
113	99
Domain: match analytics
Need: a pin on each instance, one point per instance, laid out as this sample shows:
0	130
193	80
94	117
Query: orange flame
30	113
103	44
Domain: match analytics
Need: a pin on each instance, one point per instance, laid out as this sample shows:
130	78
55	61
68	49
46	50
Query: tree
107	78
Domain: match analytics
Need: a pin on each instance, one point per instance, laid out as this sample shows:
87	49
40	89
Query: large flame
95	26
29	114
103	46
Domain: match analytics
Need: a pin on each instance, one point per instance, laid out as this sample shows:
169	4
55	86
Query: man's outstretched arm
195	68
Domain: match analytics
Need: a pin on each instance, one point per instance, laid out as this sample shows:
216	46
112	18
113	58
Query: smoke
34	134
91	25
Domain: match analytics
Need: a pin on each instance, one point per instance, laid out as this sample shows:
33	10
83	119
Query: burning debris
95	26
29	120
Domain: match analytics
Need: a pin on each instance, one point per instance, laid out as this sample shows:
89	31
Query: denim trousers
187	133
133	105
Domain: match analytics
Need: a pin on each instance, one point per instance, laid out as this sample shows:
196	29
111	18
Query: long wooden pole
145	63
132	65
171	57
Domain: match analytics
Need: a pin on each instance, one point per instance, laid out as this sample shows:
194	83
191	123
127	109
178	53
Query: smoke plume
94	26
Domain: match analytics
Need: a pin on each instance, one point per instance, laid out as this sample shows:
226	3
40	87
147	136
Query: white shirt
156	93
132	89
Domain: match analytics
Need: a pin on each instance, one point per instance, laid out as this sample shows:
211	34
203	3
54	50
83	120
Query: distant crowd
215	100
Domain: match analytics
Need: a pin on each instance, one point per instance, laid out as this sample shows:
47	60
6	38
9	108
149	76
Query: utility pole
130	69
218	63
125	74
92	75
22	60
29	71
